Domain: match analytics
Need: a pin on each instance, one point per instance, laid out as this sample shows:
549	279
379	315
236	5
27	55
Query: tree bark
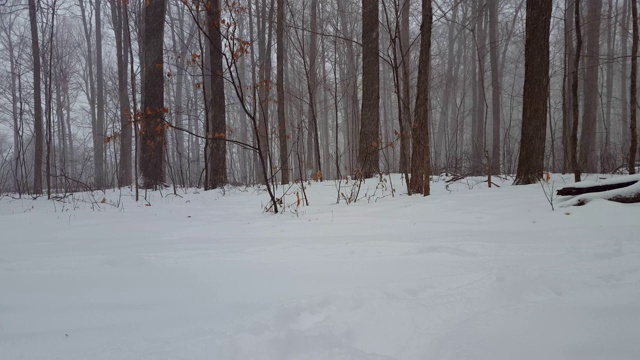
217	156
37	99
98	139
567	98
421	155
369	144
536	92
495	86
153	139
405	83
314	163
575	164
282	121
124	171
588	155
633	120
606	163
442	138
624	85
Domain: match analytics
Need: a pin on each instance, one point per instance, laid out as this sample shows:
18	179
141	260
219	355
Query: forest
319	180
95	94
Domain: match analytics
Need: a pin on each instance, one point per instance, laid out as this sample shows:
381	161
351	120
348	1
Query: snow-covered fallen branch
623	189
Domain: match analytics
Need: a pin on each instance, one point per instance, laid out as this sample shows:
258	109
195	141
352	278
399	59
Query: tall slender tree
282	121
633	120
98	139
575	164
567	98
368	154
496	108
153	138
124	171
37	99
588	154
536	92
216	144
421	155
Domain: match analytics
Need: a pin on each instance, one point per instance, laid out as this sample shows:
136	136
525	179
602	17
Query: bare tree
282	122
495	86
37	99
633	121
421	155
153	138
575	164
588	155
98	139
217	123
567	97
124	172
536	92
368	156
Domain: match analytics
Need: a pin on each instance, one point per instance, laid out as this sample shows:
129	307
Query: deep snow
467	273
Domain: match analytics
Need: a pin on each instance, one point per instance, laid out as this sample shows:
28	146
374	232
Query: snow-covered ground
467	273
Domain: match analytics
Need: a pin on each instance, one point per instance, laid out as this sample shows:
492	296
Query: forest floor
467	273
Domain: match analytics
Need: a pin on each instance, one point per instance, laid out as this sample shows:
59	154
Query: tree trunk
495	86
442	138
421	155
153	139
567	98
606	164
353	117
282	121
588	155
368	148
98	139
575	164
633	120
217	156
478	124
313	142
536	92
624	85
124	171
37	99
405	83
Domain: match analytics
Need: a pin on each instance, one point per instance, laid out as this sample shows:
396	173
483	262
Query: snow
624	192
466	273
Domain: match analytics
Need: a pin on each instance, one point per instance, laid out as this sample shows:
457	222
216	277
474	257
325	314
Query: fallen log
623	189
571	191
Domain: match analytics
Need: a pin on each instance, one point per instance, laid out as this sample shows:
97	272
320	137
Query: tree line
99	94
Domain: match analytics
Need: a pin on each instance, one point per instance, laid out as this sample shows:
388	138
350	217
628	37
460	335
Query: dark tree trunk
567	83
421	155
352	109
633	120
588	155
536	92
282	121
405	83
313	142
153	138
495	86
124	171
37	99
574	95
442	138
624	85
98	139
217	155
368	148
